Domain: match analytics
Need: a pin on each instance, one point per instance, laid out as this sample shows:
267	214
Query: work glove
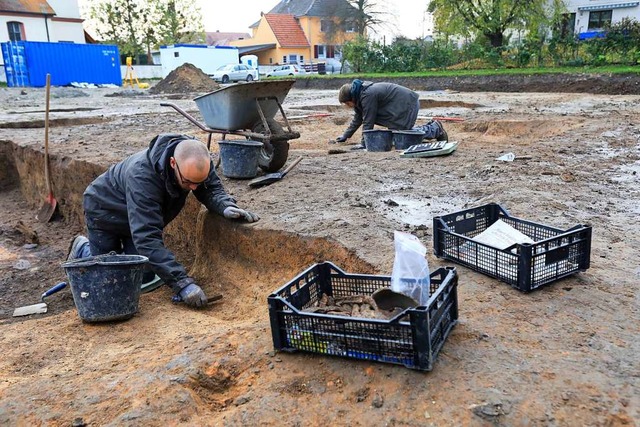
190	293
341	139
233	212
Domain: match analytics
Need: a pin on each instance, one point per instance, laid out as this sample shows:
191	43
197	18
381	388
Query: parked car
334	66
234	73
287	70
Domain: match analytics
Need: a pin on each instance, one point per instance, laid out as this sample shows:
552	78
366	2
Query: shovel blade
30	309
266	180
46	211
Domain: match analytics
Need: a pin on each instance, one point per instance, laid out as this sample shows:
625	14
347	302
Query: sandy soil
565	354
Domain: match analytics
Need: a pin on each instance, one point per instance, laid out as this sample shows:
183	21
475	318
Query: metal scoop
386	299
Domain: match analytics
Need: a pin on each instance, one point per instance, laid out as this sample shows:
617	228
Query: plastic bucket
239	158
403	139
378	139
106	287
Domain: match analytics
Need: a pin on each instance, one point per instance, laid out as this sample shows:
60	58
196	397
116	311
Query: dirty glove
233	212
190	293
341	139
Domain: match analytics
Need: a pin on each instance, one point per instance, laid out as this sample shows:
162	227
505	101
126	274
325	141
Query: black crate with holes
412	338
554	254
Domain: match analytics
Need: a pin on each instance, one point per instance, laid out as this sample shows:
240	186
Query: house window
324	51
599	18
270	60
293	59
350	27
326	25
284	59
16	31
301	59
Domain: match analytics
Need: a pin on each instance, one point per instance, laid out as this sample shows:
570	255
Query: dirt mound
185	78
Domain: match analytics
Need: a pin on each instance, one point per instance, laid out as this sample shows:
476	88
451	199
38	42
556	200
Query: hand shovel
273	177
49	206
40	307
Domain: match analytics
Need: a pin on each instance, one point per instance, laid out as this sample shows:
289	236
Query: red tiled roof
40	7
287	30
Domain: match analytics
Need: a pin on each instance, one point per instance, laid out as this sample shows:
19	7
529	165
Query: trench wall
224	254
23	167
612	84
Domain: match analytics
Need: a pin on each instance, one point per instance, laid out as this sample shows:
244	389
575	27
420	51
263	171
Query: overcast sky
237	15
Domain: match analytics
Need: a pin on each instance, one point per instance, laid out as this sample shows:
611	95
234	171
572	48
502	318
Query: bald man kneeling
127	207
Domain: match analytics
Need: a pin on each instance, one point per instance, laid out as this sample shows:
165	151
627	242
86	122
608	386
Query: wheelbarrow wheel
272	160
274	154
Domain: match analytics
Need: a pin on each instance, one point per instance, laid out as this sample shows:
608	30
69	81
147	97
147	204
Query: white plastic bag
410	275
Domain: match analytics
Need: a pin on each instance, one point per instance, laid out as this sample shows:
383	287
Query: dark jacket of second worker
384	104
140	196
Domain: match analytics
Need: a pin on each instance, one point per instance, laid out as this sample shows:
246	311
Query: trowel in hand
40	307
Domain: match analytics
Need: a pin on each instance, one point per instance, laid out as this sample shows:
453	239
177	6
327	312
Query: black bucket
378	139
106	287
403	139
239	158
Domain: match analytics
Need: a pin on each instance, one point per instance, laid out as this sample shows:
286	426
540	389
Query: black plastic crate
556	253
413	338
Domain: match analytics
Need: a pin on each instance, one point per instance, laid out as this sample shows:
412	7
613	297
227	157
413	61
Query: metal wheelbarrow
248	109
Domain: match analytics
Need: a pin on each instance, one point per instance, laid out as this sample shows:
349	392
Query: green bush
618	44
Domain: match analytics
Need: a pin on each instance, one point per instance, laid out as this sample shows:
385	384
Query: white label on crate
501	235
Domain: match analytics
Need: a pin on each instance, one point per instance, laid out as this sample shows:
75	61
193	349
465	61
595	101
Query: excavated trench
35	124
243	262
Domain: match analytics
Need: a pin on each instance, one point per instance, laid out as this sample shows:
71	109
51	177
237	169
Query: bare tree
360	16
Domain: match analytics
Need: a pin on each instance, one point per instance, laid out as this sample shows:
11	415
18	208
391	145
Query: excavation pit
218	365
242	262
64	122
437	103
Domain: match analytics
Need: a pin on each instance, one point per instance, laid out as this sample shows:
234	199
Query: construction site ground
563	355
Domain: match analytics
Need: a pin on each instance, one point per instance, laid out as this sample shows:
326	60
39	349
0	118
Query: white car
234	73
287	70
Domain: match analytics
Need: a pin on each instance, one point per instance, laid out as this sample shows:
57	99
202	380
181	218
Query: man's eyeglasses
185	180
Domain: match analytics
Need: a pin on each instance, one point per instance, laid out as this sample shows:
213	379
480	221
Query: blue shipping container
27	63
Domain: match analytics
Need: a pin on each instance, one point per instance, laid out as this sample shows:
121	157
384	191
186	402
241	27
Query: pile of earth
186	78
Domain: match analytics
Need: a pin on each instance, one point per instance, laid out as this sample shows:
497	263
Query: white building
587	17
207	58
41	21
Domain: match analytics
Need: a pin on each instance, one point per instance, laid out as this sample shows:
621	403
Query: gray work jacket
140	196
384	104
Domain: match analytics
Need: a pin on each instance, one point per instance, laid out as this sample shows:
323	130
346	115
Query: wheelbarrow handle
187	115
